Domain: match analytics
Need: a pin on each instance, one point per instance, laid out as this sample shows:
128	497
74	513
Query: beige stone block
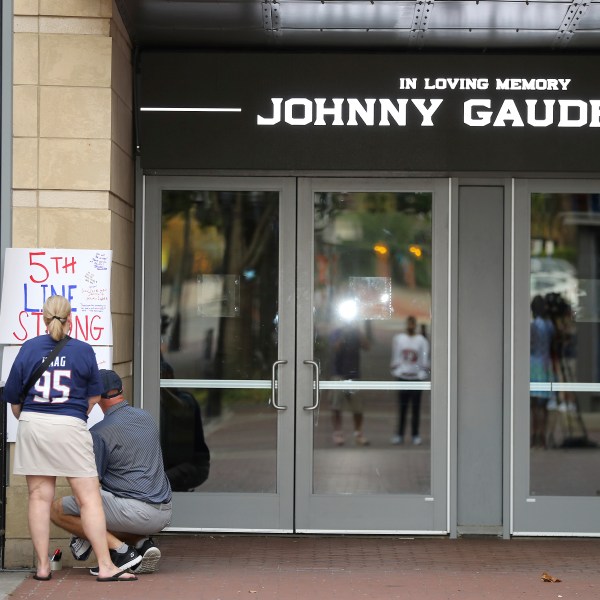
24	198
73	199
118	28
122	335
26	24
75	112
77	8
59	537
74	164
79	26
121	293
128	389
122	236
125	371
122	124
18	554
75	60
14	480
25	163
121	173
25	111
25	58
74	229
16	511
122	72
121	207
25	7
25	228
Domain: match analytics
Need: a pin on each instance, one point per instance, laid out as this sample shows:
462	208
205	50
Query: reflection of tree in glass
355	230
548	224
225	233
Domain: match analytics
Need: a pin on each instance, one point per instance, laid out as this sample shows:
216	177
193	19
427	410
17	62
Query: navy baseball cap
110	381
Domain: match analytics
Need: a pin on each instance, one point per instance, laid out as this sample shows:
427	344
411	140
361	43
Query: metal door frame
334	513
276	512
248	512
537	515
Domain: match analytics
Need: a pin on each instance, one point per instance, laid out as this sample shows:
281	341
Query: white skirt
53	445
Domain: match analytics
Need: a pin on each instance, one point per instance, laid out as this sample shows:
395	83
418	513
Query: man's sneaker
80	548
124	561
150	557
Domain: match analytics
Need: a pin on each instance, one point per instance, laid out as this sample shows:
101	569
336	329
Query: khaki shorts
346	399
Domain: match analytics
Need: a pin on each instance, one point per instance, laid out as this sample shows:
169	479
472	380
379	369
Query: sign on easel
31	276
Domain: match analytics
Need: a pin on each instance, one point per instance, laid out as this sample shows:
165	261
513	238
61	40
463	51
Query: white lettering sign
477	112
370	111
570	113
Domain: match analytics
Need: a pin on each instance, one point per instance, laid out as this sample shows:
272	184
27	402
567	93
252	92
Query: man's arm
91	402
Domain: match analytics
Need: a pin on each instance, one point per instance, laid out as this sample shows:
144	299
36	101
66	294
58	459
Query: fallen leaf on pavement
549	578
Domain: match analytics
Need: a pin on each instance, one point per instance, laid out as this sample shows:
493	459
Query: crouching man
136	493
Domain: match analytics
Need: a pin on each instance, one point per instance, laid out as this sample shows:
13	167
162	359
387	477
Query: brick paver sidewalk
216	567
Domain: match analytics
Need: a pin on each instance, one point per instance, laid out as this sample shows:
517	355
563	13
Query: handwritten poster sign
31	276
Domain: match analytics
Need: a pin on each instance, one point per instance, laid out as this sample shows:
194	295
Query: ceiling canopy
500	25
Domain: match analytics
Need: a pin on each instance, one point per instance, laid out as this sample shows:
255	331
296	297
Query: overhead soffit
364	24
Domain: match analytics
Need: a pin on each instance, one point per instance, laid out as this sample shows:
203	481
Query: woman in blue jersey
52	436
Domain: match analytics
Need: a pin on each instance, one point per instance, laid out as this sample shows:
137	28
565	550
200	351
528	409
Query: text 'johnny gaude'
518	111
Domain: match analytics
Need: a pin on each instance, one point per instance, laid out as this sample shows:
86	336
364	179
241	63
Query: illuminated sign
383	112
369	112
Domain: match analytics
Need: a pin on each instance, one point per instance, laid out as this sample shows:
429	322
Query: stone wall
73	170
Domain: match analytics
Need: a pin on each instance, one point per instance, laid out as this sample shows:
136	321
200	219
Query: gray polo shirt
128	455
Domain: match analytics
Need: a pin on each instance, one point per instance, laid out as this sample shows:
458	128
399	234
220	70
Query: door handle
315	367
273	398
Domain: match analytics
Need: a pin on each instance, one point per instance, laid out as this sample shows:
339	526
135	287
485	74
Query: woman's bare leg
41	495
87	492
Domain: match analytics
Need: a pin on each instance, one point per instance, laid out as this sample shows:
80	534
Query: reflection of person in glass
540	370
347	341
409	362
185	453
564	412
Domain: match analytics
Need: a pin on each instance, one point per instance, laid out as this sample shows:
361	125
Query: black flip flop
116	577
38	578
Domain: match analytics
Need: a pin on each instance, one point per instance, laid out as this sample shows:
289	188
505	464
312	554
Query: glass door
294	351
371	413
557	367
219	337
